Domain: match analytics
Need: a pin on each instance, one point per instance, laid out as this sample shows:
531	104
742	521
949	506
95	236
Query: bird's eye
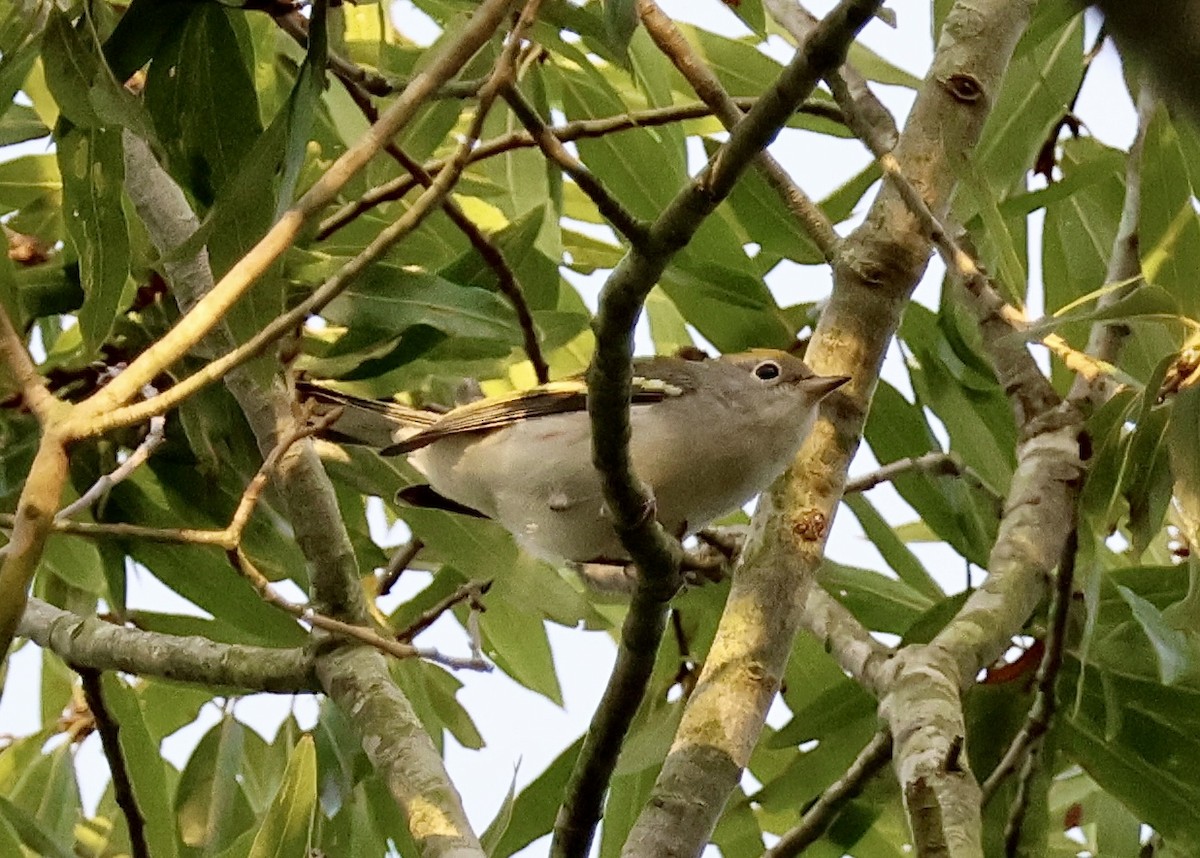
767	370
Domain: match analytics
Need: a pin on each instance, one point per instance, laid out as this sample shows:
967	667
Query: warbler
707	436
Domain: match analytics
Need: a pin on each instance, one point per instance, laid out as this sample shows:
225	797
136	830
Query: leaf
1182	432
147	769
881	603
210	804
534	808
287	827
491	836
621	20
93	171
31	834
1168	226
1170	645
391	299
896	554
516	640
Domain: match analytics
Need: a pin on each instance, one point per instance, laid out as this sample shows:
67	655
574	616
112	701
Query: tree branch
90	642
320	532
1041	714
110	740
1106	339
621	219
817	818
850	89
654	553
878	267
578	129
15	357
210	309
506	279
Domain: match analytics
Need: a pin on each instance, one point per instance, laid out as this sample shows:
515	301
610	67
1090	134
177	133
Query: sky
524	731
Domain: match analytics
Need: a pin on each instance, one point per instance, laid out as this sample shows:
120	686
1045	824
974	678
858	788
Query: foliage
245	119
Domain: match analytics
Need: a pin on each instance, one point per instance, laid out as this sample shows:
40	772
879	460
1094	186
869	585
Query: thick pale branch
211	308
357	680
34	392
91	642
315	515
878	267
33	523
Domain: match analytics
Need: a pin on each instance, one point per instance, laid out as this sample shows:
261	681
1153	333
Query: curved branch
654	553
110	740
879	266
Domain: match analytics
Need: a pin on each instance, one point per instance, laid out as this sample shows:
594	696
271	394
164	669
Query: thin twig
1041	713
579	129
400	560
1107	338
701	78
96	414
936	464
374	82
860	107
362	634
471	592
110	741
285	323
227	537
821	814
506	278
613	210
153	440
15	356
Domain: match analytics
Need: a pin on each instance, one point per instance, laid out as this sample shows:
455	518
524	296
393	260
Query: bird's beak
821	386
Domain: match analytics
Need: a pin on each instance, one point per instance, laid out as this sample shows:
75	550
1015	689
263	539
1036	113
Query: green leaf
146	767
287	827
1137	739
516	640
31	834
1170	644
620	19
881	603
93	171
1182	433
534	808
493	834
895	553
210	804
1168	226
27	179
391	299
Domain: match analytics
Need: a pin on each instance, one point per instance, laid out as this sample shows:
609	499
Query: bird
707	436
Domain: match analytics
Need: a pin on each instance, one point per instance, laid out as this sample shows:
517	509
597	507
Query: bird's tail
374	422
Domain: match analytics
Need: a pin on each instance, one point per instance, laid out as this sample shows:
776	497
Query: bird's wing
556	397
